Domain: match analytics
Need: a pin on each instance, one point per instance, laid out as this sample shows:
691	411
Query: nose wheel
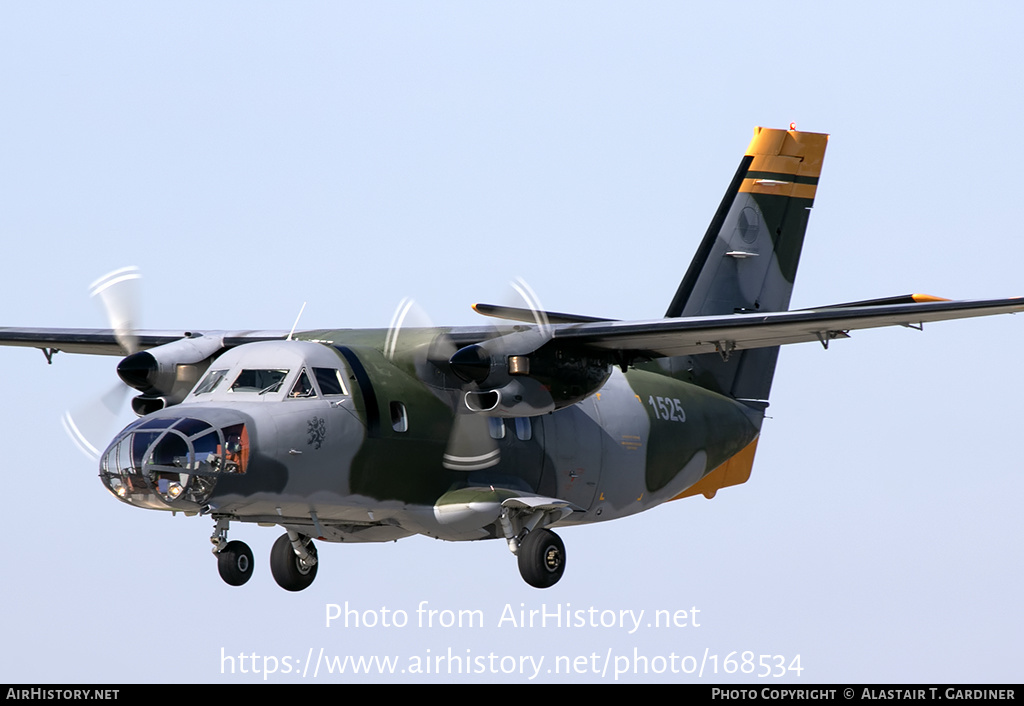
234	559
541	556
234	562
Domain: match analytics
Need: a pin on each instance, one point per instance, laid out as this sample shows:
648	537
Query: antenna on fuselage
296	321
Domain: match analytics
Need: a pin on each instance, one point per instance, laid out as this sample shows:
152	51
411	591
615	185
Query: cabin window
524	428
496	426
399	417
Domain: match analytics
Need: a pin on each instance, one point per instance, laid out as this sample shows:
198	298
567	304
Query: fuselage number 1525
668	408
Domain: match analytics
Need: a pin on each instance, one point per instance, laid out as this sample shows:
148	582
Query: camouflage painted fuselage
367	465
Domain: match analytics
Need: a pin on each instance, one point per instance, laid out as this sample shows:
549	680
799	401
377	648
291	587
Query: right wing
724	334
94	341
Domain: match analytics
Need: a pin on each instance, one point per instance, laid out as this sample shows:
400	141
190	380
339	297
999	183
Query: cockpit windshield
302	388
271	371
257	380
210	382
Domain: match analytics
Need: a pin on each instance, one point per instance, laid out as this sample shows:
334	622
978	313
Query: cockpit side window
210	382
303	388
257	380
330	381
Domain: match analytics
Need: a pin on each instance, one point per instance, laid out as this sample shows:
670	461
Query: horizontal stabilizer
901	299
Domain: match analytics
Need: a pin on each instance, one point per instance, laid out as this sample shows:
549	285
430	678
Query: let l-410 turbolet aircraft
484	433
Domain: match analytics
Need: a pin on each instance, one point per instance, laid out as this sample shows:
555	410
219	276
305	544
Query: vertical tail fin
748	258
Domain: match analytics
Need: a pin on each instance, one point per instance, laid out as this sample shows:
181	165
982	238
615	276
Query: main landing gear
540	552
541	556
293	559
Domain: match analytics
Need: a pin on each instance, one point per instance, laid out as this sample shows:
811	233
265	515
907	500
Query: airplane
485	432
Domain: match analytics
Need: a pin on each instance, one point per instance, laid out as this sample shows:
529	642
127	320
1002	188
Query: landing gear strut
541	556
293	561
234	559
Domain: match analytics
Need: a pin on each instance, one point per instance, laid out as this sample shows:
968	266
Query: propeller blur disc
92	425
407	314
118	292
525	291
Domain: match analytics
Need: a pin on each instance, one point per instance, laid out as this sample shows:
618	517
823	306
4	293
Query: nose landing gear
234	559
234	562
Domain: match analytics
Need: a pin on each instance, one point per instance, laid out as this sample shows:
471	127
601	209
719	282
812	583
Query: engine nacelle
165	374
531	382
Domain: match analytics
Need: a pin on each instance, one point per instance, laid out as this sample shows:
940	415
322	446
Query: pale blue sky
253	156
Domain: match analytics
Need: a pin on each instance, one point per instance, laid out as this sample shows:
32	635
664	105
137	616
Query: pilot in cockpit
302	388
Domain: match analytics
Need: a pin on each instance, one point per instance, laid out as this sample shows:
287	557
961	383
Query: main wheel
290	572
541	558
234	563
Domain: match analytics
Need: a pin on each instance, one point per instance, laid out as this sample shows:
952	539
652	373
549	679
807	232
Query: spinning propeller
480	378
94	422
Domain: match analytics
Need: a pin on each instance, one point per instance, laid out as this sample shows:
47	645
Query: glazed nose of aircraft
173	462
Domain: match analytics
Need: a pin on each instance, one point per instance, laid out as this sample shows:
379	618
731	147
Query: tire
234	563
541	558
288	570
